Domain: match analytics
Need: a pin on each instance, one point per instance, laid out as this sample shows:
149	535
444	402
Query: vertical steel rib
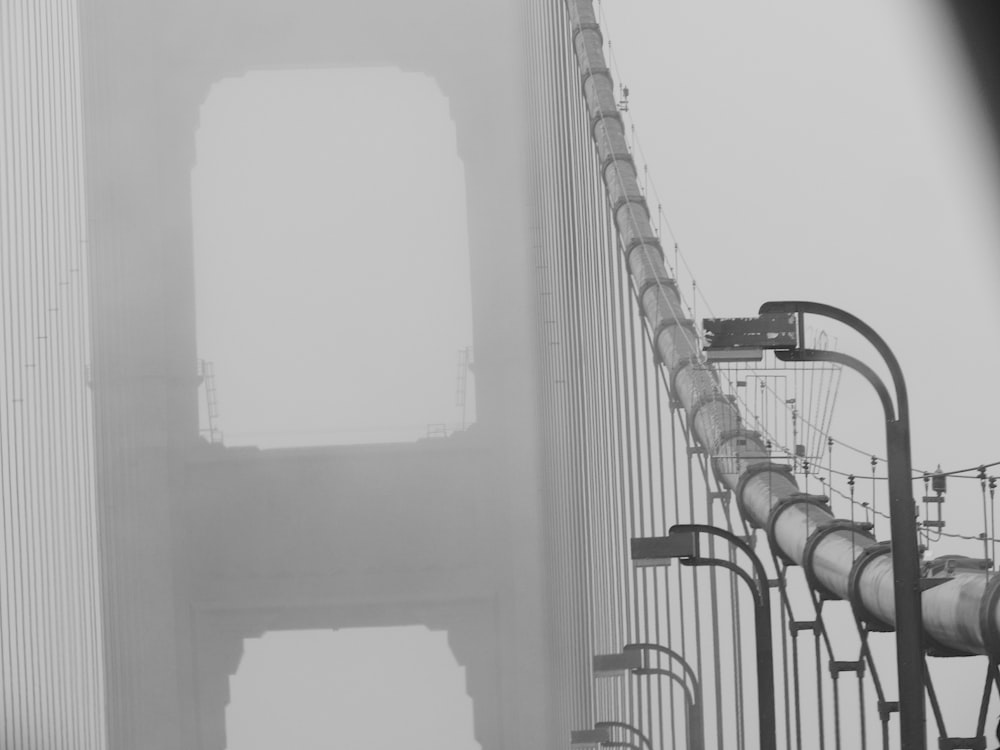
961	614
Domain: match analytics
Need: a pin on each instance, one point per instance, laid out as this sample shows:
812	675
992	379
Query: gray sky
836	153
831	155
828	153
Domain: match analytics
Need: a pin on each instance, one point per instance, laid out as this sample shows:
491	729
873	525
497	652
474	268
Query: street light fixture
633	660
581	738
609	665
682	543
745	333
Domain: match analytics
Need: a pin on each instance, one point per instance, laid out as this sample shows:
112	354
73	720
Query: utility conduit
840	559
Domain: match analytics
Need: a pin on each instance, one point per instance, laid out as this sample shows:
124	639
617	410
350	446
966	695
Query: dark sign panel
769	331
743	354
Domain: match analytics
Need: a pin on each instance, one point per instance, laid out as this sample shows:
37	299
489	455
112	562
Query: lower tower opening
377	688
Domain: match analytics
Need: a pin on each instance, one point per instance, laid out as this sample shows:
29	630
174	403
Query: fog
838	156
320	333
270	389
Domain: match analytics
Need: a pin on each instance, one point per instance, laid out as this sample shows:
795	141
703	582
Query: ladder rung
962	743
836	667
797	626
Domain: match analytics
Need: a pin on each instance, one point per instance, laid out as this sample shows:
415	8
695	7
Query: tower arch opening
384	687
331	259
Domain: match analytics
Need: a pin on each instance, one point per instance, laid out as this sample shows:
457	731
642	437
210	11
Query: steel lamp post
682	544
902	508
775	329
632	660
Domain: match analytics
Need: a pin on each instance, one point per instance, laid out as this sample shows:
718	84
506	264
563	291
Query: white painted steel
951	610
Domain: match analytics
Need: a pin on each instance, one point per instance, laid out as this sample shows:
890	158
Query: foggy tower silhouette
203	546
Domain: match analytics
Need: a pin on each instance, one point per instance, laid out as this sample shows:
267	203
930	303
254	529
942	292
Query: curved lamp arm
688	670
628	727
842	316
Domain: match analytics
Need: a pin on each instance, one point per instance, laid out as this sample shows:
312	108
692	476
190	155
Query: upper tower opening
331	257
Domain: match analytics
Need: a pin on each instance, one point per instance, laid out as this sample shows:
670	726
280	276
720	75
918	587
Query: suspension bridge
640	543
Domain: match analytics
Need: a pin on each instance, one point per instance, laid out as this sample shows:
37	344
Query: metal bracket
872	623
926	584
603	114
796	498
693	361
727	435
987	606
586	26
751	471
639	241
797	626
616	156
822	530
887	707
710	398
962	743
836	667
637	199
948	564
657	280
686	323
738	433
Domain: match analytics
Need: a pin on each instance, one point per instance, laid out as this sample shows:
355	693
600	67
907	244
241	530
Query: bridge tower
204	546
